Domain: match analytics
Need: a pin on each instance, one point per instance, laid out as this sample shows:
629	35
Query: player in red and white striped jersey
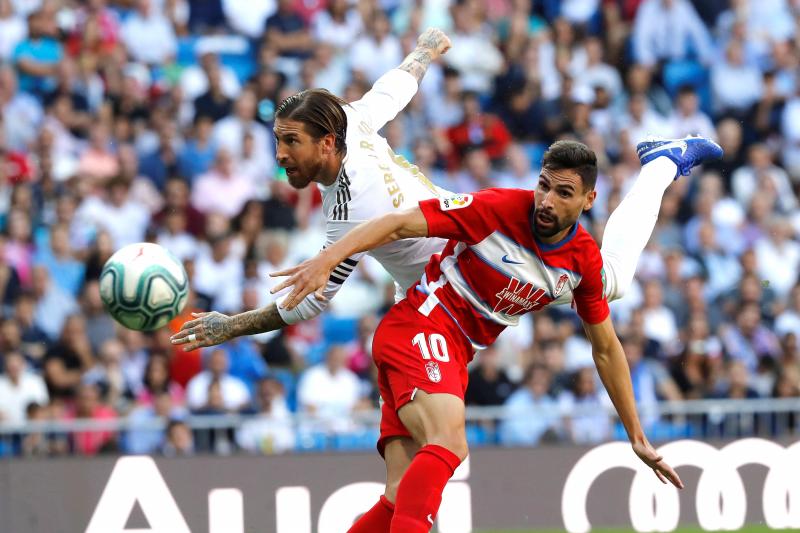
509	252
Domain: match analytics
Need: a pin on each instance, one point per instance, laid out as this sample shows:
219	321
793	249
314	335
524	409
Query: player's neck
330	170
554	239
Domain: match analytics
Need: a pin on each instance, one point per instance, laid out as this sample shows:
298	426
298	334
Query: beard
550	226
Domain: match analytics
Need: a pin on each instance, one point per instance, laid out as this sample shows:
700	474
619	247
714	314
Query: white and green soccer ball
143	286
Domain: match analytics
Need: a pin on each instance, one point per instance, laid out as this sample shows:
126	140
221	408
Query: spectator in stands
245	361
489	385
748	340
585	410
473	53
59	260
157	381
687	117
53	304
109	376
518	427
13	29
37	56
179	441
88	406
222	189
196	79
141	441
148	25
330	391
66	361
778	257
176	198
288	34
214	102
760	169
271	430
230	131
659	321
666	30
18	248
736	85
233	392
478	129
376	52
98	163
218	274
339	25
34	341
19	388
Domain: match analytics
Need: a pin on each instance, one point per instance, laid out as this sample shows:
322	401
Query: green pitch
748	529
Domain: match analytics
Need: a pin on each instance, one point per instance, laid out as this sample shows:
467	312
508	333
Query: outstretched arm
613	369
430	45
210	329
311	276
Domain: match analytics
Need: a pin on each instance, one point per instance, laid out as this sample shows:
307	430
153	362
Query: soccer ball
143	286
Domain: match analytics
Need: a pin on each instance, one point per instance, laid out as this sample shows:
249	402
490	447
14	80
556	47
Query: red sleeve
471	217
590	299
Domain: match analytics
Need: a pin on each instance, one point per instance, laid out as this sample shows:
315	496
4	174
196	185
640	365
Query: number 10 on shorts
437	344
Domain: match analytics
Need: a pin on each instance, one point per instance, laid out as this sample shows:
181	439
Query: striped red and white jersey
493	269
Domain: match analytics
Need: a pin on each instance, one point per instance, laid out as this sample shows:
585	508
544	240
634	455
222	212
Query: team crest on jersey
456	201
434	374
562	281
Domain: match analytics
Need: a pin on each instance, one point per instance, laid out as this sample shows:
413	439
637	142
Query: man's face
299	153
560	200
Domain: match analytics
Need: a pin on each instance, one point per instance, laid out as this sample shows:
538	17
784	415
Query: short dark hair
572	155
321	111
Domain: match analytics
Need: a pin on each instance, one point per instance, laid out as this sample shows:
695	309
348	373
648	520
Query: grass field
748	529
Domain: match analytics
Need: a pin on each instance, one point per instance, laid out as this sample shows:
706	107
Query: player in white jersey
322	138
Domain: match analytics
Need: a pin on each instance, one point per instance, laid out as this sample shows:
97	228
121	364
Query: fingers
284	272
319	294
660	476
288	282
671	475
295	297
190	324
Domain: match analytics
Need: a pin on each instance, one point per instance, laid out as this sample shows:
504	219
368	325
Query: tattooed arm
430	45
210	329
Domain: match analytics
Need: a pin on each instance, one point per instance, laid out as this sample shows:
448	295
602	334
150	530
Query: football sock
631	224
420	492
376	520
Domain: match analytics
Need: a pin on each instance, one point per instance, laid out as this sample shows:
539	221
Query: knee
454	440
391	490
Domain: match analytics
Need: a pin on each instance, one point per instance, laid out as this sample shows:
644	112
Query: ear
589	201
328	144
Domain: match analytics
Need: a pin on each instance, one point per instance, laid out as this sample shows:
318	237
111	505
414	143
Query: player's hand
650	457
307	277
434	40
206	329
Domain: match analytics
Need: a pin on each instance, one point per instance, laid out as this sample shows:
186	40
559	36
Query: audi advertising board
575	489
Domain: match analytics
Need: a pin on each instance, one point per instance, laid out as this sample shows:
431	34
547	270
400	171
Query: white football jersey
374	181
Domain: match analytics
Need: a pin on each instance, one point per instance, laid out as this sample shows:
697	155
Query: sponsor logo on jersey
560	285
518	297
457	201
434	374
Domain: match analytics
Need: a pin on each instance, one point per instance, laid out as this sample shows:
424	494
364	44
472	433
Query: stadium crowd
133	120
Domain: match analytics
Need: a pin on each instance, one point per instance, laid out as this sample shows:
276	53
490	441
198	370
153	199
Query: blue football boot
686	153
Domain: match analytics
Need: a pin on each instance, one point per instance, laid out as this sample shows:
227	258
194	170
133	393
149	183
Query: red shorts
416	352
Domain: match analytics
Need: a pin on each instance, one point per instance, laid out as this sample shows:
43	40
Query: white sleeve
310	306
390	94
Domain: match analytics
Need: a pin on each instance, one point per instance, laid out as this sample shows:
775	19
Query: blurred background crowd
133	120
